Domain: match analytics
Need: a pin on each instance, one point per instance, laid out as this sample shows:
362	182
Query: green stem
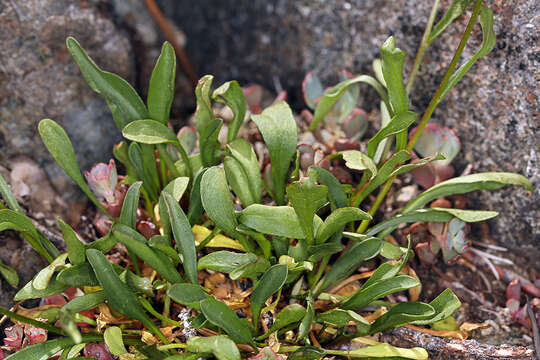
151	310
171	346
430	109
208	238
378	201
166	309
185	158
26	320
167	161
423	46
437	97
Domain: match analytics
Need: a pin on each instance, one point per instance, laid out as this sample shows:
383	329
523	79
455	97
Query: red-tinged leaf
35	335
97	350
13	336
513	290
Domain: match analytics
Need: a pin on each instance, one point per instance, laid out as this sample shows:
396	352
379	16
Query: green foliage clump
288	243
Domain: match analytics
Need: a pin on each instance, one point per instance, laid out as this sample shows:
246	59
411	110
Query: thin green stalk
423	46
167	161
430	109
148	307
166	309
208	238
437	97
185	159
378	201
171	346
26	320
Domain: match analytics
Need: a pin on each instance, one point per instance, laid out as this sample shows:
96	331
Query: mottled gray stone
39	79
494	109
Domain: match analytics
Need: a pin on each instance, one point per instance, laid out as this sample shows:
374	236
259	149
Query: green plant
291	252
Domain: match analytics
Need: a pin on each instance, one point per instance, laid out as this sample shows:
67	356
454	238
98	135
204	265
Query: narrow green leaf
75	247
357	160
45	350
340	318
278	128
148	132
217	200
225	261
118	294
387	270
337	219
29	292
237	178
241	151
78	275
185	243
348	263
399	123
336	194
161	89
273	220
421	162
488	42
14	220
432	215
114	341
44	276
401	314
392	69
387	351
307	321
187	294
331	97
137	159
85	302
306	197
384	173
124	102
136	243
317	252
152	132
250	270
465	184
222	316
307	353
195	209
9	274
456	8
445	305
60	147
231	94
8	196
378	290
270	283
289	315
176	188
221	346
128	215
207	125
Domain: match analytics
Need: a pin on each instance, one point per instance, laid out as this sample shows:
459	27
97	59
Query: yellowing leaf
218	241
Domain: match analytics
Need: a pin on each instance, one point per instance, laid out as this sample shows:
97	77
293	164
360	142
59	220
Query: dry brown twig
167	30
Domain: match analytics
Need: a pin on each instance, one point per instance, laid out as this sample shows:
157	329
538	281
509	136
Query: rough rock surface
494	109
39	79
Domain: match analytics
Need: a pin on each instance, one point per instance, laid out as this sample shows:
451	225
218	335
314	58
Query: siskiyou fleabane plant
228	259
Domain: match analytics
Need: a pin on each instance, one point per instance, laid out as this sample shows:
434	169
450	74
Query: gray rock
39	79
494	109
